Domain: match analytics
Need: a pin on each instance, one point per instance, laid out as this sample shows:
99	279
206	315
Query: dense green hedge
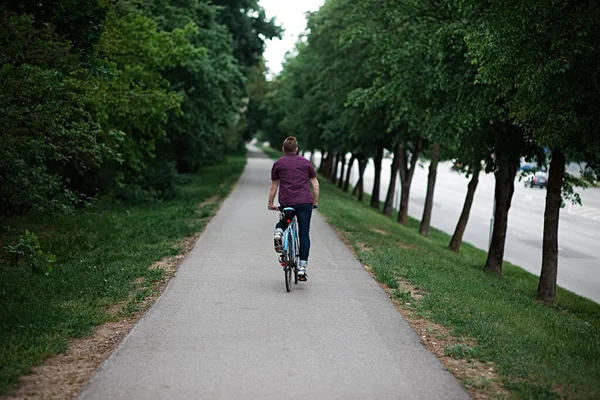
105	97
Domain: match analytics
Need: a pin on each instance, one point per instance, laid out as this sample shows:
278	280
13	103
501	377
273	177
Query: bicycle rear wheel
288	264
296	260
295	274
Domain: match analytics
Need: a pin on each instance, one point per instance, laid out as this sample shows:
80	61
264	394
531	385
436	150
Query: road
225	328
579	227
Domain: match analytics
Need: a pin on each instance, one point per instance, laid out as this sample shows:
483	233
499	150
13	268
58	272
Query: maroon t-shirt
293	173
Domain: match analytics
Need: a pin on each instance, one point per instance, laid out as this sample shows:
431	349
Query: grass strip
540	351
103	255
271	152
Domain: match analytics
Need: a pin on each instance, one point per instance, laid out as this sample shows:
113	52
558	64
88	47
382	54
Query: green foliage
104	98
49	138
461	74
155	182
28	252
309	99
256	115
137	99
80	22
543	56
247	22
210	83
489	82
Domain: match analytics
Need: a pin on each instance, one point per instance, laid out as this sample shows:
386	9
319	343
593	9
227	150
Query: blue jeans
303	213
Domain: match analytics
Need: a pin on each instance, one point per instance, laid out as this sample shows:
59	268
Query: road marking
584	212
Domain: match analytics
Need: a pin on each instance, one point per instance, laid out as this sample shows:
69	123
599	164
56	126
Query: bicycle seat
288	213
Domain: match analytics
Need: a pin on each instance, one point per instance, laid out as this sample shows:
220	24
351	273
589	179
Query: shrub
28	252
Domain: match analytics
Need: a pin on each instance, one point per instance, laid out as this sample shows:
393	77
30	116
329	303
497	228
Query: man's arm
272	193
315	186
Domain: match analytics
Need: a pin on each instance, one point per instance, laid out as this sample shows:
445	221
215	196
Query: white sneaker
302	275
278	244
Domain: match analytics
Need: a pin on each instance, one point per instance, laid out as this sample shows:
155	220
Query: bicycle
290	254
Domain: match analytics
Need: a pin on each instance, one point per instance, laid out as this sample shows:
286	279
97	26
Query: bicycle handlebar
278	208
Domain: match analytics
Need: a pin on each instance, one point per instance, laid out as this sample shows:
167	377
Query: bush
155	182
28	252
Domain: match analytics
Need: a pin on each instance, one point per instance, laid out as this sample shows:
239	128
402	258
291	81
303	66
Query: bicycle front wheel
287	271
289	263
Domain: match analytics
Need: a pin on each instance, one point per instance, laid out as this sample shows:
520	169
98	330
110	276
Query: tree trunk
343	168
505	187
547	283
323	162
377	181
358	182
359	188
388	207
312	157
456	240
404	198
329	164
406	175
334	168
348	171
426	220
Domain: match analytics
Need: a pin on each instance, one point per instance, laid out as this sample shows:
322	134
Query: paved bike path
225	328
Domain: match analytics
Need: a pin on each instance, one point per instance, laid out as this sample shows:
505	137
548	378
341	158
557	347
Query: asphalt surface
579	227
225	328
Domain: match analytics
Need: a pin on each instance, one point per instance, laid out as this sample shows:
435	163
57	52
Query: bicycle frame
293	229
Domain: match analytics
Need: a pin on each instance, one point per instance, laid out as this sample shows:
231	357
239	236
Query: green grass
274	154
100	252
541	352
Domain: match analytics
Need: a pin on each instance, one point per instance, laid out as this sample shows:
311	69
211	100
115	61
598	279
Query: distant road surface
579	228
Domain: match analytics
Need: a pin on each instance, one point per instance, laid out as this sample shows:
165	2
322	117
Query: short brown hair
290	144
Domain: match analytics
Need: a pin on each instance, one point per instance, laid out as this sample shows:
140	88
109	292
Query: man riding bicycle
291	175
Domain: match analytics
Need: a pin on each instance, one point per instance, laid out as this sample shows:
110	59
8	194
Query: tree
426	220
255	114
78	22
108	97
46	130
313	90
456	240
404	100
247	22
509	142
137	99
544	58
210	82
